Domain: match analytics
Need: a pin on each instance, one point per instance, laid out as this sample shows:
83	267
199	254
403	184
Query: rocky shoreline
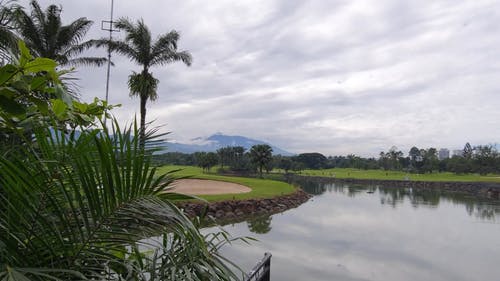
480	189
234	210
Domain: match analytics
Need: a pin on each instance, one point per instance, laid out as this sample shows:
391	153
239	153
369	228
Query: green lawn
395	175
261	188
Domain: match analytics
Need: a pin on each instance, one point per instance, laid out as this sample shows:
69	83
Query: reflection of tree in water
483	211
260	225
428	198
392	196
486	209
395	196
311	187
354	189
315	187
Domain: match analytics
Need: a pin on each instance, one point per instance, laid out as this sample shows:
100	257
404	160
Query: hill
219	140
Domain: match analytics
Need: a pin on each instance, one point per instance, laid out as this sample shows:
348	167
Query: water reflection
482	208
260	225
377	233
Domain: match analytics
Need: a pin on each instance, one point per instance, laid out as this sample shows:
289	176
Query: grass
345	173
261	188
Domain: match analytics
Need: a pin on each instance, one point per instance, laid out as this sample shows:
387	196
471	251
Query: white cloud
336	77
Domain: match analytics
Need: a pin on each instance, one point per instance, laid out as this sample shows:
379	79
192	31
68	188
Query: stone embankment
236	209
481	189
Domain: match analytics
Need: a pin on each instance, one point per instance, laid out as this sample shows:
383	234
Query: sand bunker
206	187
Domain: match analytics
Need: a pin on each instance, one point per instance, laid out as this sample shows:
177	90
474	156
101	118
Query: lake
362	232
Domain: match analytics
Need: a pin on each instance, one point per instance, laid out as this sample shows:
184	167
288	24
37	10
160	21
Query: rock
240	209
219	214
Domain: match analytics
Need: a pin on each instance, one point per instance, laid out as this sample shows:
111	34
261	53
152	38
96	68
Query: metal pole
109	50
111	30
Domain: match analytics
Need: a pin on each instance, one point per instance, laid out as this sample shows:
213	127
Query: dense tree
395	156
174	158
238	160
46	36
430	160
459	165
384	160
416	159
485	159
281	162
206	160
261	155
139	46
224	154
312	160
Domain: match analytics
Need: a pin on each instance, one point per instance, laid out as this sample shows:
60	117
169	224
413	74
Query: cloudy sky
336	77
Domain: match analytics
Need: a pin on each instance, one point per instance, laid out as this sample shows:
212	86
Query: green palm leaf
46	36
74	202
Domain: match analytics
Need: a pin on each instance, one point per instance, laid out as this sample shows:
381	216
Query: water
356	232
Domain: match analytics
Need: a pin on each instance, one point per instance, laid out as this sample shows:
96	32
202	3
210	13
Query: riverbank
480	189
239	210
266	197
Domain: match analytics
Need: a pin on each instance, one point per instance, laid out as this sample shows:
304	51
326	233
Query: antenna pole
108	26
111	30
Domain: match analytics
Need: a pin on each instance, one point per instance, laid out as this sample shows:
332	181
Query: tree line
257	159
482	159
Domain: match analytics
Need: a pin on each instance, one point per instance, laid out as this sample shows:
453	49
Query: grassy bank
396	175
261	188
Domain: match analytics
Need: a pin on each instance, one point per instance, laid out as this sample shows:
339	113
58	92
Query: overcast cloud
336	77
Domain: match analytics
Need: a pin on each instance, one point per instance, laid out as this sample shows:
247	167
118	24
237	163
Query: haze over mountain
216	141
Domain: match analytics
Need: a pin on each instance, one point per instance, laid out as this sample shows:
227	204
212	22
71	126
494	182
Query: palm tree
139	46
261	155
7	36
84	203
47	37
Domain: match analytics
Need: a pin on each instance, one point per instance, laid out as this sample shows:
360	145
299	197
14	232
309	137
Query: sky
336	77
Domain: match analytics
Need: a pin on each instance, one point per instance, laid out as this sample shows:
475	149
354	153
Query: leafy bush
85	204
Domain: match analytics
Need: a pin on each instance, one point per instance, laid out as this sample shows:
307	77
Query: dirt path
206	187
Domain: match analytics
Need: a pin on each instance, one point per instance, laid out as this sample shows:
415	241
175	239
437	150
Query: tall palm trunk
144	96
142	130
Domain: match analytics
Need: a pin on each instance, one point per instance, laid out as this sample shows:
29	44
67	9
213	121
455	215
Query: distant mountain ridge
216	141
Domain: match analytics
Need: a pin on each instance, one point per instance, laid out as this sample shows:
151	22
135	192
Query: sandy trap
207	187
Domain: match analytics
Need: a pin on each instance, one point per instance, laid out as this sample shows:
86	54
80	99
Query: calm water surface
356	232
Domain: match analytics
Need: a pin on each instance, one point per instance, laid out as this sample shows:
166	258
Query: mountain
216	141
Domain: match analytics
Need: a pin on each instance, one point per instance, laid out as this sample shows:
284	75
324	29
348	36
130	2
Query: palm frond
115	46
138	37
50	31
165	42
73	33
76	201
8	38
87	61
170	57
29	32
46	36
